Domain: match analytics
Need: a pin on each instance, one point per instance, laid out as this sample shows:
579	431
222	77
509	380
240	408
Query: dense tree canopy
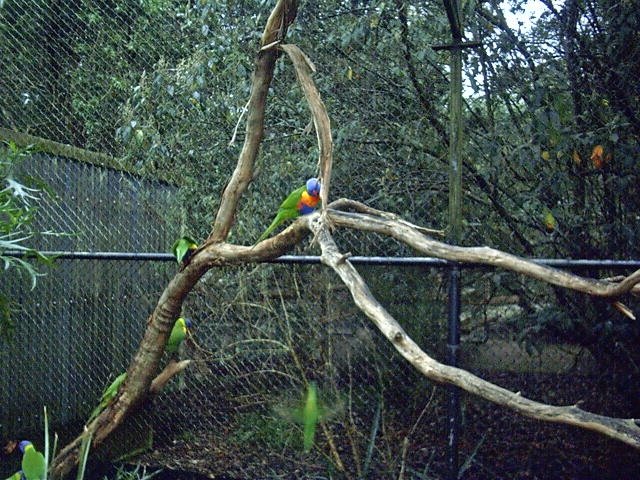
551	114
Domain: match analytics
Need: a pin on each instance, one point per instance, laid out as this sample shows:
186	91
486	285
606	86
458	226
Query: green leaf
84	453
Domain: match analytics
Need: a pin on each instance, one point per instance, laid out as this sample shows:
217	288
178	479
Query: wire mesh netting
83	318
158	86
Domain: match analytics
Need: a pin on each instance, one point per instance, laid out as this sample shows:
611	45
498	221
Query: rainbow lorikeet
310	416
183	248
33	464
309	412
301	201
549	221
108	395
178	334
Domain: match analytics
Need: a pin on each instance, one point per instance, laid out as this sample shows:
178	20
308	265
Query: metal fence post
453	347
454	16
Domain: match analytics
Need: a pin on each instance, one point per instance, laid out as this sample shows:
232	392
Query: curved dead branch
625	430
173	368
408	234
304	68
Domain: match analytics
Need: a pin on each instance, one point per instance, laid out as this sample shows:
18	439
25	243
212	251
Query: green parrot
108	395
16	476
310	416
301	201
309	412
178	334
183	248
33	465
550	223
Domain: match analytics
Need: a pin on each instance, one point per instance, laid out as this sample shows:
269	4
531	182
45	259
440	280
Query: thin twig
405	441
235	130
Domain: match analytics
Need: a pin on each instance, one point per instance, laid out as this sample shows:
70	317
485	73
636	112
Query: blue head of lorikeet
313	187
23	445
310	198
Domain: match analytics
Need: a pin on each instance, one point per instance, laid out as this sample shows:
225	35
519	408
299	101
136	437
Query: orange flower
597	156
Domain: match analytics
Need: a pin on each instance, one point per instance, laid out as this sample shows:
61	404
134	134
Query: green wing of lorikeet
33	464
308	411
108	395
288	209
291	202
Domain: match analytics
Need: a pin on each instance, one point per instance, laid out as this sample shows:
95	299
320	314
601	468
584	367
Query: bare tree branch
304	67
173	368
485	256
625	430
281	17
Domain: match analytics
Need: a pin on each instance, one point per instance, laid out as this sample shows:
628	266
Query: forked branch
625	430
411	235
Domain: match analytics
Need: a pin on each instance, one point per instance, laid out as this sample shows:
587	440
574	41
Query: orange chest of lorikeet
307	203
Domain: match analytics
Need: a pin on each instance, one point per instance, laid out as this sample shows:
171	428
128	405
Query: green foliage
544	100
18	204
171	80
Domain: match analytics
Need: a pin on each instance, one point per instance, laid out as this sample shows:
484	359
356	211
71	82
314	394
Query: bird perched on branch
301	201
178	334
108	395
33	464
183	248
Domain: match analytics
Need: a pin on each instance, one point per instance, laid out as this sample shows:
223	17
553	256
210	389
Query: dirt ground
495	443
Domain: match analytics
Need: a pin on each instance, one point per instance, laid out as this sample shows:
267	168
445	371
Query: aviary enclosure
137	122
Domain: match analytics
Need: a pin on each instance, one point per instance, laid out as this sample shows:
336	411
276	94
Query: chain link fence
158	86
82	321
